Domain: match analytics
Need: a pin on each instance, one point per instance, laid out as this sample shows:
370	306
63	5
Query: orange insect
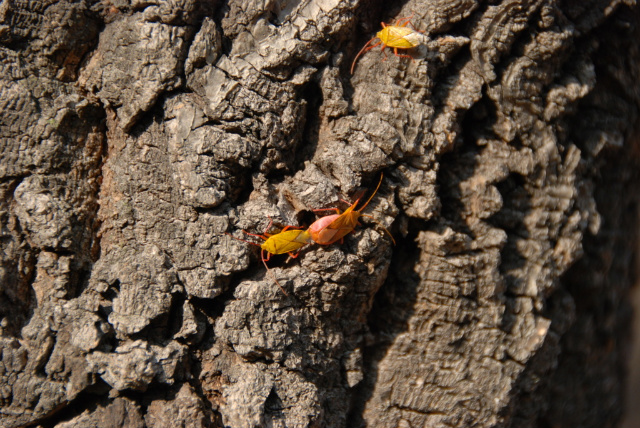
397	36
334	227
286	241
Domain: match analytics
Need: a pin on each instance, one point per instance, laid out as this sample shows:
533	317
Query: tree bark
136	136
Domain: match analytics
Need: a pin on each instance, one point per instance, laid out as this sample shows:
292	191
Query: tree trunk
136	136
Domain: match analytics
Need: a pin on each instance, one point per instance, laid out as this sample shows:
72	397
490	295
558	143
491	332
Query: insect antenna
372	195
257	235
366	47
244	240
380	224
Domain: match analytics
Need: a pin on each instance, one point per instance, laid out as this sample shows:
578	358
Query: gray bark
136	134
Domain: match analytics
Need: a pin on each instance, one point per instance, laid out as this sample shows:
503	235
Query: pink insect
332	228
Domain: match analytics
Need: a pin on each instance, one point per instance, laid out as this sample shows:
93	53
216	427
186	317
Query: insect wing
319	232
286	242
343	225
304	237
332	228
399	37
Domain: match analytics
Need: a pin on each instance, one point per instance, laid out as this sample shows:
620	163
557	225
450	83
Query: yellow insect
397	36
286	241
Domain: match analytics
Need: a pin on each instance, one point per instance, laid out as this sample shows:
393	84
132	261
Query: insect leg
290	227
327	209
395	52
384	52
403	21
380	224
268	226
294	255
264	261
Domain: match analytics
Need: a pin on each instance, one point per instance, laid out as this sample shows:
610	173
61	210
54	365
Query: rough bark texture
135	134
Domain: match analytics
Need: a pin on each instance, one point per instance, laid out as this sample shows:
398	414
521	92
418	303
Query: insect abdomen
399	37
